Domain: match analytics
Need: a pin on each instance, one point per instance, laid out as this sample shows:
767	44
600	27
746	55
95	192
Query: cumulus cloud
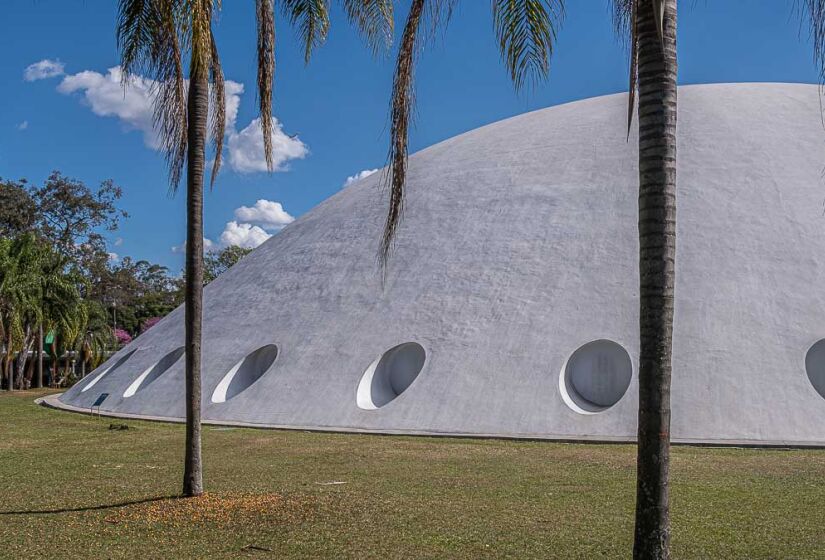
246	148
23	125
105	95
358	176
248	236
113	257
266	213
43	69
208	245
252	226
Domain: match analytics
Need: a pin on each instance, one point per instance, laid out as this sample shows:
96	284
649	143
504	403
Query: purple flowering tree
123	338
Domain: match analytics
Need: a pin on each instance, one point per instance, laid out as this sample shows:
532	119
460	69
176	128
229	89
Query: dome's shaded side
518	247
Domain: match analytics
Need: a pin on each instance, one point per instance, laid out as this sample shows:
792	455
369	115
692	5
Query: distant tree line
64	300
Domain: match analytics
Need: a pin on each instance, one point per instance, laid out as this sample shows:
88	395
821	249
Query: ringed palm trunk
657	258
197	109
40	356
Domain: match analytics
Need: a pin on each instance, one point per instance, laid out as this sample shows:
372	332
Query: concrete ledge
53	402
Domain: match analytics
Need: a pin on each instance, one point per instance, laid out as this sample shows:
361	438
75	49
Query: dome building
510	306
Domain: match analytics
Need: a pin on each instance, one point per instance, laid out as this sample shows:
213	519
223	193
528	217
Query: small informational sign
99	401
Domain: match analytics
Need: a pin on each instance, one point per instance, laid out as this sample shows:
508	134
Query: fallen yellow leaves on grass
218	509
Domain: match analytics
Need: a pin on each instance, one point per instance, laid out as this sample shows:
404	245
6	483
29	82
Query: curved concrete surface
518	248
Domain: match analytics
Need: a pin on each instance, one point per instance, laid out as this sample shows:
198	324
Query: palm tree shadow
88	508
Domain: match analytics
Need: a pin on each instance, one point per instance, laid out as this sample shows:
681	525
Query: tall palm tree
20	300
155	37
526	32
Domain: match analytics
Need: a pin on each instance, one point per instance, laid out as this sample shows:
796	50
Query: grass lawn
72	488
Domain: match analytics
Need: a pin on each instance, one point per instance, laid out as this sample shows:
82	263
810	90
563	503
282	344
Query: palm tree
526	32
20	299
155	36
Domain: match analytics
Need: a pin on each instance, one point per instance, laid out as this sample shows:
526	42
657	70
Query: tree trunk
10	364
657	258
197	109
23	356
39	382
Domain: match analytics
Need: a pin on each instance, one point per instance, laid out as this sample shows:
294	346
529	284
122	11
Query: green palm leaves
37	287
373	19
155	35
526	32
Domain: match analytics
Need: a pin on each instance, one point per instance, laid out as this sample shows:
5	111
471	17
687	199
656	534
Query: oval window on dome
245	373
389	375
815	366
596	376
108	370
154	371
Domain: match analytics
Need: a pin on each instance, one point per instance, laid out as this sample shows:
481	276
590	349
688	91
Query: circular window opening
595	377
390	375
245	373
815	366
154	371
108	370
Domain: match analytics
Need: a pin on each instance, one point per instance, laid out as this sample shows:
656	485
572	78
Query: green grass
404	497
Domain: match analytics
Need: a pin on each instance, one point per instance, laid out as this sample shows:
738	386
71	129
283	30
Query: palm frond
311	20
149	35
137	25
526	32
374	21
624	22
403	100
659	15
816	14
218	102
266	71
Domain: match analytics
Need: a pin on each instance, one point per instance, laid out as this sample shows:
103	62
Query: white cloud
252	226
208	245
118	241
267	213
243	235
44	69
246	148
358	176
114	257
106	97
23	125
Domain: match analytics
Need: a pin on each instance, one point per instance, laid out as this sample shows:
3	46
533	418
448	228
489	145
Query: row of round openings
245	373
108	370
595	377
389	375
153	372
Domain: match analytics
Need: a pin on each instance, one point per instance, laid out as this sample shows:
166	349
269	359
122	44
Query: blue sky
337	105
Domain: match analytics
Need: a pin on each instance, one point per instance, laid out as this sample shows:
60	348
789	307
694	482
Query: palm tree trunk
657	258
197	109
39	383
23	356
10	364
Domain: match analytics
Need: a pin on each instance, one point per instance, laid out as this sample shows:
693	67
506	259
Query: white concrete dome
510	307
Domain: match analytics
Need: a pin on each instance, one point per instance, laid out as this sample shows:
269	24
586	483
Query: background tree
72	216
17	208
218	262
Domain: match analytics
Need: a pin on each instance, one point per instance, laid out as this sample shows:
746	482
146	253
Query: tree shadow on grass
89	508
